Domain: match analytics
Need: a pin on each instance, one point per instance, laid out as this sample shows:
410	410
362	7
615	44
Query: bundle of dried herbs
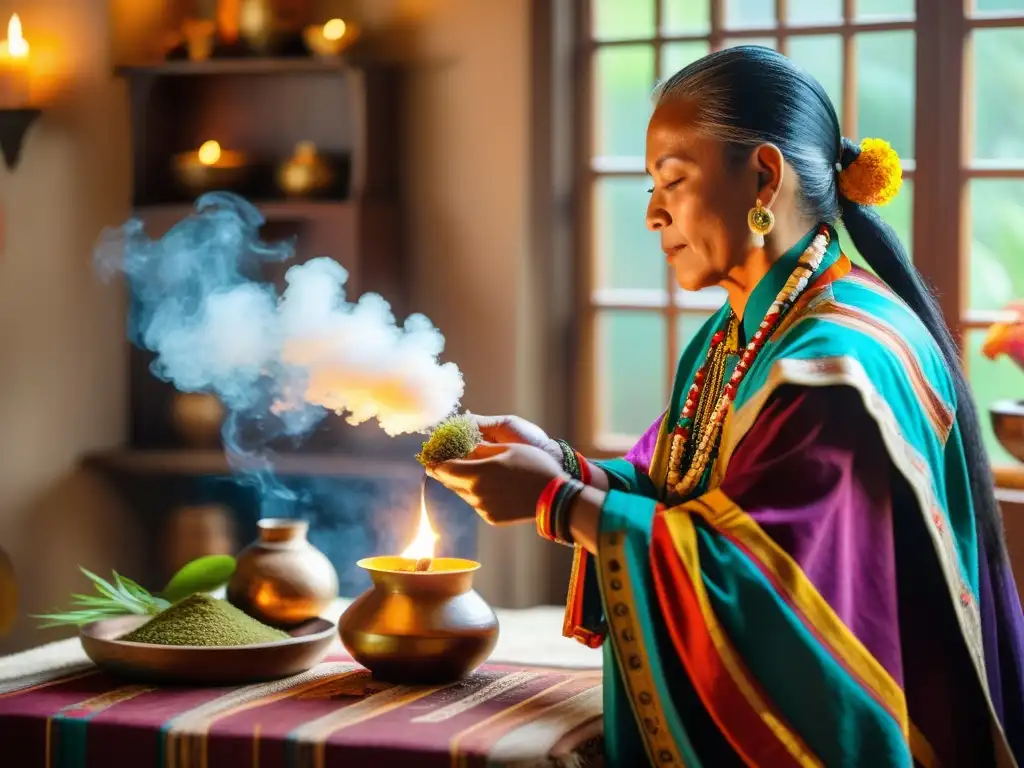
453	438
203	620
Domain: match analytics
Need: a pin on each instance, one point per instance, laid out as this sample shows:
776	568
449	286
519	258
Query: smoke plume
278	362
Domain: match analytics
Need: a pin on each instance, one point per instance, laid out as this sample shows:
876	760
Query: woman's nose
657	218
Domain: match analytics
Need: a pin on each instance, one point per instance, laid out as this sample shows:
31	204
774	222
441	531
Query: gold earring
761	221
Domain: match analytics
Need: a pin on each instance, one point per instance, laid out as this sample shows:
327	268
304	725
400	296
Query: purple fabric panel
814	474
641	454
1002	624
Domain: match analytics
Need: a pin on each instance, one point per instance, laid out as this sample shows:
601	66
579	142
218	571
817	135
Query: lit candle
334	30
209	153
14	63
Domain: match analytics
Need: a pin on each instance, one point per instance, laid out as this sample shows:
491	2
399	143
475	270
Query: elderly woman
801	562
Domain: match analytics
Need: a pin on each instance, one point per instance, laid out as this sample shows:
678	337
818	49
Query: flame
17	45
209	153
334	29
423	545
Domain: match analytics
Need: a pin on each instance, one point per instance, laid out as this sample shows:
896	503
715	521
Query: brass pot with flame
421	622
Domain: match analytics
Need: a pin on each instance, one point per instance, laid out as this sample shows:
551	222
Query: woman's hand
513	429
502	481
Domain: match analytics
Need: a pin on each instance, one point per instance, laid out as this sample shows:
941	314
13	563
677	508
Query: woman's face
699	200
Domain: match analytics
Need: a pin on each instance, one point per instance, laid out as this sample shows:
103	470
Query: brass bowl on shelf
1008	424
204	665
419	627
229	172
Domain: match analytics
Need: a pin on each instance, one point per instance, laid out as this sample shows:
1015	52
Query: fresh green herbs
453	438
123	597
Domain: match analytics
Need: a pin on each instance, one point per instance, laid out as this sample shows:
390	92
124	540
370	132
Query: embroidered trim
572	621
629	646
940	414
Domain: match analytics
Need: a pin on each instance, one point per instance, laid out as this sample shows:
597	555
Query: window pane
885	88
631	371
767	42
991	380
884	9
624	80
998	91
675	56
815	11
618	19
999	6
628	254
822	57
898	214
687	327
997	232
747	14
685	17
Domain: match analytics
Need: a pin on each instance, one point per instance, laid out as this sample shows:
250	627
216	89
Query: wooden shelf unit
264	107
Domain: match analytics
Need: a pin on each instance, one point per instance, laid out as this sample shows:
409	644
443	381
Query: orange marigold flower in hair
874	177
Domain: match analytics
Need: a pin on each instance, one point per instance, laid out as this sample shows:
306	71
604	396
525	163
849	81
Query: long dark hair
750	95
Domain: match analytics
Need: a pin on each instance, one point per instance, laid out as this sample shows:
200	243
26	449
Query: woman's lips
672	250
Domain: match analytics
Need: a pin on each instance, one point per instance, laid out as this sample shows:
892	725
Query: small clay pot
281	579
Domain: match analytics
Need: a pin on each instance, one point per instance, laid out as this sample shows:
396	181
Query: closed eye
670	186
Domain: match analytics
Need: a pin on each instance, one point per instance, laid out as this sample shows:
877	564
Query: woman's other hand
513	429
501	481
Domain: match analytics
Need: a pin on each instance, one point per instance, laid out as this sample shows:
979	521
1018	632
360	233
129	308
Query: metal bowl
1008	424
204	665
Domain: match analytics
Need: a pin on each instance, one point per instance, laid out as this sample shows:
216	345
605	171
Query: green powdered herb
203	620
453	438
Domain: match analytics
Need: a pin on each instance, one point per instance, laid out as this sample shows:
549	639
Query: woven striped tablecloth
507	714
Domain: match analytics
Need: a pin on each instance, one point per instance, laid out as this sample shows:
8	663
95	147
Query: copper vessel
418	627
1008	424
281	579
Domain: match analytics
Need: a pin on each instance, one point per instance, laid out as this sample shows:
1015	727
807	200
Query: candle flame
17	45
423	545
334	29
209	153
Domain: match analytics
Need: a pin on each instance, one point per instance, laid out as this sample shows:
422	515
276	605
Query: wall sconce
16	112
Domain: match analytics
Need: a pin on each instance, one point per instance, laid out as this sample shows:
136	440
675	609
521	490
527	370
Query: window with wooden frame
937	79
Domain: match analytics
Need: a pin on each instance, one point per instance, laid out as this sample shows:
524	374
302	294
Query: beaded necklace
700	445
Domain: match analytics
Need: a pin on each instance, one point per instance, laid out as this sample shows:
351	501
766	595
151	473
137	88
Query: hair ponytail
876	241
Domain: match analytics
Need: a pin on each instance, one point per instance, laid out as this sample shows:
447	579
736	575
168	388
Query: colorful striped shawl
703	576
